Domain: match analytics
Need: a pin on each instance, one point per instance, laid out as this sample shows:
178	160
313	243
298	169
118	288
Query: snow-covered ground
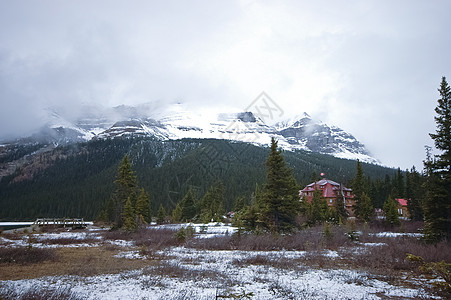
187	273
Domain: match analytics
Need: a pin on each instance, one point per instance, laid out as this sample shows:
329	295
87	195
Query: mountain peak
176	121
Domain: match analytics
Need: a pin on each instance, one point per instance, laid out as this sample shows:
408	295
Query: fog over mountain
371	68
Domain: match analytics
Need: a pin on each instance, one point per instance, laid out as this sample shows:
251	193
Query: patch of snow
398	234
130	255
121	243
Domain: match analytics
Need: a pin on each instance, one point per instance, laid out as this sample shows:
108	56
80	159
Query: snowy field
187	273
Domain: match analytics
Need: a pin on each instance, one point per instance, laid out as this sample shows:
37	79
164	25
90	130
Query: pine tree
212	203
161	215
239	203
126	187
358	183
414	194
391	212
340	209
177	213
280	198
358	188
437	206
366	209
129	216
189	210
318	209
143	207
398	185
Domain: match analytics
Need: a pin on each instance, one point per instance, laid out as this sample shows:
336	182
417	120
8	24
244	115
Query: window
331	200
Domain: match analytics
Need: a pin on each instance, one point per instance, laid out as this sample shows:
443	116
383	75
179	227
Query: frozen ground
187	273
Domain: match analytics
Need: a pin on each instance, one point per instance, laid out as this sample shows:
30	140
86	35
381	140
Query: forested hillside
77	180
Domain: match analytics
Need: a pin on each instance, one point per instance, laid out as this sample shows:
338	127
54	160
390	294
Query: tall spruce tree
437	206
358	188
391	212
143	207
414	194
340	209
161	214
366	209
189	209
177	213
129	216
280	198
317	209
212	203
126	187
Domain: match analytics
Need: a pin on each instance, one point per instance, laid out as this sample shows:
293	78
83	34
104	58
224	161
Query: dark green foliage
363	208
280	198
358	188
436	212
415	194
437	206
247	218
79	180
126	190
366	209
188	205
212	203
391	212
128	216
177	213
240	203
143	211
340	211
398	185
317	210
161	214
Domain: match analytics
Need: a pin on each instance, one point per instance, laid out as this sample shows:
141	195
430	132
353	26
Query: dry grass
73	261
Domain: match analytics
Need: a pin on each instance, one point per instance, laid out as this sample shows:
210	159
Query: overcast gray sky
369	67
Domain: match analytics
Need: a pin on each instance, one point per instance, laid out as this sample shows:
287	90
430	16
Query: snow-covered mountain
176	122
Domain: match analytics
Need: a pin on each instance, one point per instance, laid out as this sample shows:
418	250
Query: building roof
328	187
402	202
325	182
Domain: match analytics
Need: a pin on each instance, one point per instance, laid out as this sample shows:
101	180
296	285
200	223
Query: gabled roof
328	187
402	202
325	182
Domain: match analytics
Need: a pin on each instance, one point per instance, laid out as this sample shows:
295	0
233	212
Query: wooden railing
74	223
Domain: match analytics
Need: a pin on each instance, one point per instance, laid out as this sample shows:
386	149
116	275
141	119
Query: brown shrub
155	238
309	239
26	255
38	293
68	241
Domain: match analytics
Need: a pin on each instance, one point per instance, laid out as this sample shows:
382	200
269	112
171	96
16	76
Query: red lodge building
330	191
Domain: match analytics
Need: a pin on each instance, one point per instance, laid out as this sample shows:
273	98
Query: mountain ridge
176	122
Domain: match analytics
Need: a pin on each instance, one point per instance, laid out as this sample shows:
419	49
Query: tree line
274	205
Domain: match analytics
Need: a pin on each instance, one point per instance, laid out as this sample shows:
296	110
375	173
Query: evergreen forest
78	180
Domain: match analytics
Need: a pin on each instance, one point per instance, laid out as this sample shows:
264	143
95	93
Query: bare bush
38	293
68	241
26	255
11	236
391	255
154	238
165	269
309	239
